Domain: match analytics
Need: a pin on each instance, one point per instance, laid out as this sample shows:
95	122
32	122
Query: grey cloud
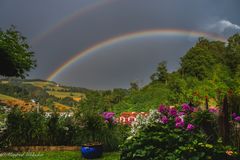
223	25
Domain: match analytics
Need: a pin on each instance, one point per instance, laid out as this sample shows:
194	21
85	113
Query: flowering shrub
236	117
109	118
169	133
99	128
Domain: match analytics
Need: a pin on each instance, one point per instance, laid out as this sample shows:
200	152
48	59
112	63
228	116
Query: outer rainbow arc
70	18
130	36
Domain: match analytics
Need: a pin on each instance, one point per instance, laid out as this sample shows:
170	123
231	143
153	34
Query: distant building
129	117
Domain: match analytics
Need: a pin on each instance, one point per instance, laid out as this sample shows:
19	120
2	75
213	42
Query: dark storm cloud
110	20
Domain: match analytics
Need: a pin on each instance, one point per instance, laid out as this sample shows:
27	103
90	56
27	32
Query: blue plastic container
91	151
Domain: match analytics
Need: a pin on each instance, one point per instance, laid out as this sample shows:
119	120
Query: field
61	107
47	85
60	155
5	97
74	95
11	101
27	106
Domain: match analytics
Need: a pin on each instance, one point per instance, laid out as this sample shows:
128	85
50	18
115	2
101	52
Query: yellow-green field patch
48	85
5	97
75	95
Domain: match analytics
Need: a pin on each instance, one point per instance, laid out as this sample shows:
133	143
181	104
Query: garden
167	132
190	114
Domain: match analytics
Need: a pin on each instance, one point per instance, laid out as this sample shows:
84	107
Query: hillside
50	95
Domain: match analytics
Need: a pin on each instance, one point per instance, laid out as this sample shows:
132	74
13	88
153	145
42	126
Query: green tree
15	57
161	74
134	86
200	59
232	56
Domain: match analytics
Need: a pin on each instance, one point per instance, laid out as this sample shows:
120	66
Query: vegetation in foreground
179	133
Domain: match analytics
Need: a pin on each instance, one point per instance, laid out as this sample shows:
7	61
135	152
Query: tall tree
134	85
161	74
200	59
15	57
232	56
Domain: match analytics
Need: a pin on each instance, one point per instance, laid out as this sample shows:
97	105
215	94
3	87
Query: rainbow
131	36
70	19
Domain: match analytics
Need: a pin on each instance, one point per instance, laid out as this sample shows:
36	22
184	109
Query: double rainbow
127	37
66	20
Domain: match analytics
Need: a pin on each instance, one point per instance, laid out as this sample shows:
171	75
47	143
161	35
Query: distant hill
50	95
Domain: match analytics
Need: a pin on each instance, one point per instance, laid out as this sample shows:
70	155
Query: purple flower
234	115
108	115
179	124
162	109
178	119
181	113
212	110
186	108
190	127
164	119
237	118
173	112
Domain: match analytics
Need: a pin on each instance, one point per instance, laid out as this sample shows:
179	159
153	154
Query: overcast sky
59	29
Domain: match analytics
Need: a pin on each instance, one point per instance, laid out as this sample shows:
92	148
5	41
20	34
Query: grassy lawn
60	155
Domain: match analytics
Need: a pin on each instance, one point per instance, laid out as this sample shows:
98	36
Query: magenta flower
213	110
190	127
234	115
187	108
108	115
164	120
237	118
173	112
179	124
181	113
162	109
178	119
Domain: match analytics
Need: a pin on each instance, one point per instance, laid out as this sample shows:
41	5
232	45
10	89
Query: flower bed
175	133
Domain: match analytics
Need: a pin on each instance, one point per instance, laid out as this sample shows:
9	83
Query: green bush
32	128
207	122
161	136
94	129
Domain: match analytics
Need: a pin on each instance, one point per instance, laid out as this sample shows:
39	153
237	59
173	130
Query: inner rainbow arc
131	36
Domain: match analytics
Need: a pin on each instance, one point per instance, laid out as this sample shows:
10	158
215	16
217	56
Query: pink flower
108	115
190	127
213	110
237	118
173	112
178	119
162	109
181	113
187	108
164	120
234	115
179	124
